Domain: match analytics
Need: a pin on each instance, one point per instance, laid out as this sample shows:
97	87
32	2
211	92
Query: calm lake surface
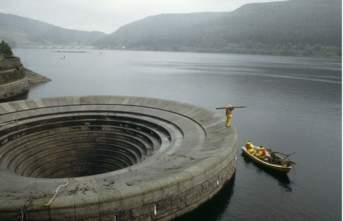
294	105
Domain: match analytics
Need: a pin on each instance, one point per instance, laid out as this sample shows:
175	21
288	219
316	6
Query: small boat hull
276	167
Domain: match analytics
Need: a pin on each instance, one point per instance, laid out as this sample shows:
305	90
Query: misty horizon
109	16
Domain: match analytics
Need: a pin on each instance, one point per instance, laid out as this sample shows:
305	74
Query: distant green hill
20	31
298	27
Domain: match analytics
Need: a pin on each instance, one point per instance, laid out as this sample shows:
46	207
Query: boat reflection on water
282	178
215	207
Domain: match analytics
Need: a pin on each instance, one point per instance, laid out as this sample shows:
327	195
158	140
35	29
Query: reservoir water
294	105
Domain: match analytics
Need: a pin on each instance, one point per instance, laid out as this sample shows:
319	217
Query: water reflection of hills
214	208
282	178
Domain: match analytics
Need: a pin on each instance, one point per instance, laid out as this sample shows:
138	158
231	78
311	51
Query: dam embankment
15	79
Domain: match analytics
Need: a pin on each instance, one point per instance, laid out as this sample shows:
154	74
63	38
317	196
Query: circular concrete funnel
110	158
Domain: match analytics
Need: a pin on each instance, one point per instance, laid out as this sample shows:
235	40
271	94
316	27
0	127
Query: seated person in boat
250	147
263	154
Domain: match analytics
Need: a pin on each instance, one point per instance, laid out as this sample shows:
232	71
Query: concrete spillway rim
194	165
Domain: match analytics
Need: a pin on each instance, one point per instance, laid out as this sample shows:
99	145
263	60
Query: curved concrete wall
11	62
110	158
12	79
14	88
9	75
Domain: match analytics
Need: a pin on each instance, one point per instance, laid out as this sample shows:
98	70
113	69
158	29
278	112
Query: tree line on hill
295	27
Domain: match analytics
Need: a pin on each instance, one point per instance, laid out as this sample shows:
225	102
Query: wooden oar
286	155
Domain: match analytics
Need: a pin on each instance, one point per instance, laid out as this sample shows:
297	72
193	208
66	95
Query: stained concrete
110	158
15	79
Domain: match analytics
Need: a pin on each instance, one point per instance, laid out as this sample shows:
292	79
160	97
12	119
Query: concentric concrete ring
110	158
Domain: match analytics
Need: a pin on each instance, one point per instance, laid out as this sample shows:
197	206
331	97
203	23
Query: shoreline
16	80
35	78
84	50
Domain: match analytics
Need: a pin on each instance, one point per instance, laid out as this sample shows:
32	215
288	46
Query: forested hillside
20	31
297	27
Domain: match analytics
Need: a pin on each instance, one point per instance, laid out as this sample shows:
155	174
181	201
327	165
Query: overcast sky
108	15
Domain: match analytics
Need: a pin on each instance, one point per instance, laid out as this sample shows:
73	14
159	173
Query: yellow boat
269	165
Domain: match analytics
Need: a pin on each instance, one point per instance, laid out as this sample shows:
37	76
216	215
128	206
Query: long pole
221	108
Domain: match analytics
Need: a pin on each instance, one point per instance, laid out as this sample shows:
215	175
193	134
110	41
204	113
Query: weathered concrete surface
16	80
110	158
14	88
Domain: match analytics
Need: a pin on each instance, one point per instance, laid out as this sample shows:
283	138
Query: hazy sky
108	15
